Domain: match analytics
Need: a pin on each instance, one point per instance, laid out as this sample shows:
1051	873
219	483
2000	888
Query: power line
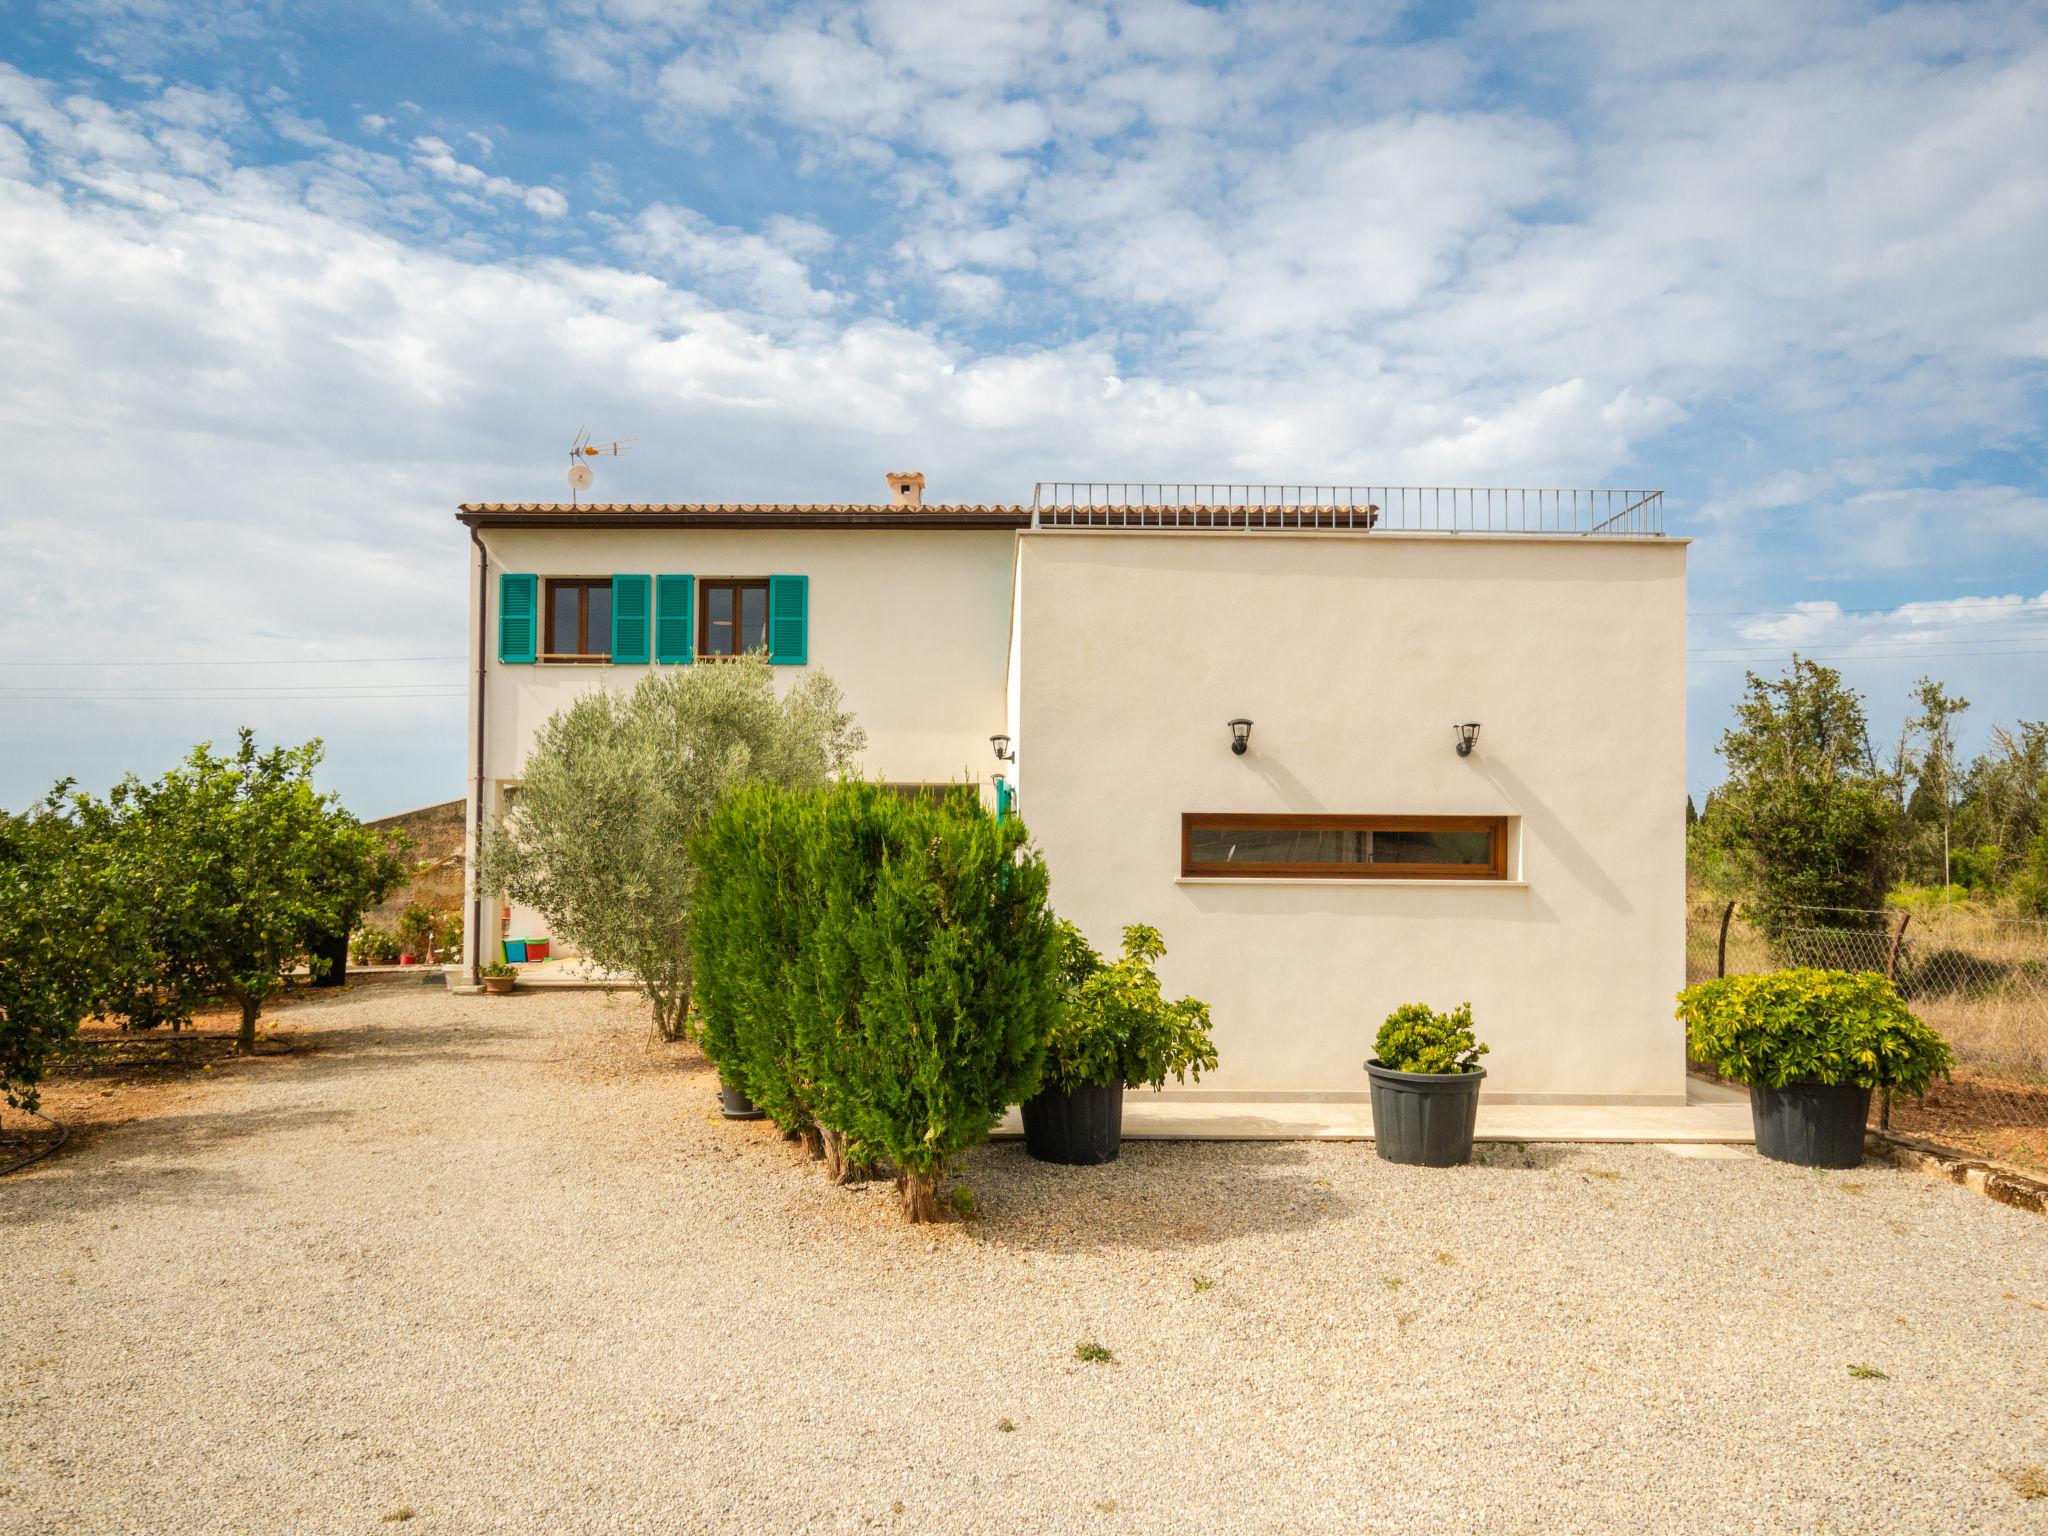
1774	647
172	696
2027	605
1709	660
226	689
287	661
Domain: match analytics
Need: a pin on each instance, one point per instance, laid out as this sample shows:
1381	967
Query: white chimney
906	488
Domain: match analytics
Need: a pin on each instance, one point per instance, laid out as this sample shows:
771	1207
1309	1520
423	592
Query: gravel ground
498	1263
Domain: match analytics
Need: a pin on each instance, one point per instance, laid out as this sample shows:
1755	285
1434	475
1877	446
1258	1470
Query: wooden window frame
706	585
584	585
1496	867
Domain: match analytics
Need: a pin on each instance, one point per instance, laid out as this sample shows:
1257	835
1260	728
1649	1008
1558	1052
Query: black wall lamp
1468	737
1240	736
1001	742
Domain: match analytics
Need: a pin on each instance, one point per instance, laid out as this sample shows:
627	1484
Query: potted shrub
499	977
1115	1030
376	946
448	935
1425	1078
415	932
1811	1044
734	1104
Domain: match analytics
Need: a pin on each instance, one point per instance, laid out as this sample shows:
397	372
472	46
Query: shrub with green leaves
1811	1026
218	872
1115	1025
1416	1038
956	956
888	966
416	929
374	946
54	961
749	926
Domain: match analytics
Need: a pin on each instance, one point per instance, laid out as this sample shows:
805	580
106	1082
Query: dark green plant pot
1080	1128
735	1105
1816	1125
1424	1118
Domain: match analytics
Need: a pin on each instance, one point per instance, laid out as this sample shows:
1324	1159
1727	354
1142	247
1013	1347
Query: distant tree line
1813	814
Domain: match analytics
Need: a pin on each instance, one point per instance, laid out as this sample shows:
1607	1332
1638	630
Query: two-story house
1345	747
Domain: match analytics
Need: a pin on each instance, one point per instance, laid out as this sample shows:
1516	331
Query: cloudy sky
280	285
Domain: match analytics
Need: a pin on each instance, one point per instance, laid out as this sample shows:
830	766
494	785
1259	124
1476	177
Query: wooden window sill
1368	882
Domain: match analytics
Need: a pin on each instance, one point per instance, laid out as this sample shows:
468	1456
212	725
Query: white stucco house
1233	712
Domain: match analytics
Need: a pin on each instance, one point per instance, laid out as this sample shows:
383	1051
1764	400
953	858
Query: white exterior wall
1354	655
914	626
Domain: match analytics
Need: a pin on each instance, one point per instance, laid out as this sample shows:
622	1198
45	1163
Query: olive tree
598	838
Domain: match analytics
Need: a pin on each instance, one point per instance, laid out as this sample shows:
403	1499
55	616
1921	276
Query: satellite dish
580	477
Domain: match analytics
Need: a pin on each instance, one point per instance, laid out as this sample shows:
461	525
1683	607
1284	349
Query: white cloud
1800	243
435	156
1927	631
764	270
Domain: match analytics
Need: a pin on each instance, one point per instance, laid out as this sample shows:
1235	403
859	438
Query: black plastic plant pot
1816	1125
333	948
735	1105
1424	1118
1079	1128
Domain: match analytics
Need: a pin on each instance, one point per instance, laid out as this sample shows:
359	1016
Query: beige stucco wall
1354	655
913	625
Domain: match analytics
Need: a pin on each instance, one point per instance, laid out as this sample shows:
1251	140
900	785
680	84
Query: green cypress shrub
847	830
956	956
883	969
748	929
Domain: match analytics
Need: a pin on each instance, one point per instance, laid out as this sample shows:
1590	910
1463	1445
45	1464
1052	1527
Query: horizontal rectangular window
579	619
1253	846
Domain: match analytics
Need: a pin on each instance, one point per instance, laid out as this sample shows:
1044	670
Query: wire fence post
1891	959
1721	958
1891	974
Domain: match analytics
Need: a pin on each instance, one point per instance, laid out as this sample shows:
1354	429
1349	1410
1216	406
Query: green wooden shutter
675	619
789	620
518	619
629	620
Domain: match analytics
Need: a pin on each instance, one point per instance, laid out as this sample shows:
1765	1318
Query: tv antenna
581	452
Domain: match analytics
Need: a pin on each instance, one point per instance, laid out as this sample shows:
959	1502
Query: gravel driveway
496	1262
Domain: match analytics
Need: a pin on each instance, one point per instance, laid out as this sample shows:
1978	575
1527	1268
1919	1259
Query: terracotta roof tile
841	508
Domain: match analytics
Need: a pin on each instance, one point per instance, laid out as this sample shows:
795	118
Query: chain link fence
1978	978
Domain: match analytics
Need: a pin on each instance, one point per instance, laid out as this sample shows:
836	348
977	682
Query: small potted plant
1116	1031
1425	1078
415	932
499	978
1811	1044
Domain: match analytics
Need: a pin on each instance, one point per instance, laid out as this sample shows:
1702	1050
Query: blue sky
281	285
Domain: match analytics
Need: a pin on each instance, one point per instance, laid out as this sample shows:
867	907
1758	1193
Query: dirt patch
1992	1117
111	1077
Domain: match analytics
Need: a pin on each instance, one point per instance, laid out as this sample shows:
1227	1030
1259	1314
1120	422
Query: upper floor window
1318	847
732	616
634	620
579	619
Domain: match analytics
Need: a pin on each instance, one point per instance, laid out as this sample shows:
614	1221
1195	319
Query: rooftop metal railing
1603	511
